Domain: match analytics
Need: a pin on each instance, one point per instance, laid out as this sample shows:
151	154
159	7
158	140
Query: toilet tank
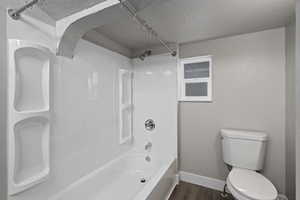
244	149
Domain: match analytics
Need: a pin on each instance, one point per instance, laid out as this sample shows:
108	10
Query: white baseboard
208	182
282	197
204	181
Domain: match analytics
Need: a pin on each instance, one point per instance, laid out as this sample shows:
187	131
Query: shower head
145	54
142	58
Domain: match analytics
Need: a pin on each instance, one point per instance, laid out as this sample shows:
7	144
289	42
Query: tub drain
143	180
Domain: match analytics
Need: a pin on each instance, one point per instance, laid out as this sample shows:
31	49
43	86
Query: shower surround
85	151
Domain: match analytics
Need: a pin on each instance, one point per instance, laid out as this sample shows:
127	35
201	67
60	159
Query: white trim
204	181
282	197
196	59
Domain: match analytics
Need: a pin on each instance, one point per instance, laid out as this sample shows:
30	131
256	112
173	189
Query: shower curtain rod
132	11
16	13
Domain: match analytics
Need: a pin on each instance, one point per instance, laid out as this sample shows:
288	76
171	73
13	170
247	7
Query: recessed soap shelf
125	105
31	149
28	115
31	79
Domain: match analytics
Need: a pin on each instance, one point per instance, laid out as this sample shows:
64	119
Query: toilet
244	152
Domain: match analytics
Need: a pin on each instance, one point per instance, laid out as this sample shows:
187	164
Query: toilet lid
252	184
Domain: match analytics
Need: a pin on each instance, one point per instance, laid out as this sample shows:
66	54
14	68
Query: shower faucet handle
149	124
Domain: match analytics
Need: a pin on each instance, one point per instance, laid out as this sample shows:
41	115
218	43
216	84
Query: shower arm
132	12
16	13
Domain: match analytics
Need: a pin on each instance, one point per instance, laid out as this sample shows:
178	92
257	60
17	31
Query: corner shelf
28	115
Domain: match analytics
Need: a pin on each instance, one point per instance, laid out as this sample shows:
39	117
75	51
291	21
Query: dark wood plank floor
187	191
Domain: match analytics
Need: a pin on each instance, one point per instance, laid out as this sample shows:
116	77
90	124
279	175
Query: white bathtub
121	179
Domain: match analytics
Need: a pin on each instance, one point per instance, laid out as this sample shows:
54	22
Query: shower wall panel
84	102
155	97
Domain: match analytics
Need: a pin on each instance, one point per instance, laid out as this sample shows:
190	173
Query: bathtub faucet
148	146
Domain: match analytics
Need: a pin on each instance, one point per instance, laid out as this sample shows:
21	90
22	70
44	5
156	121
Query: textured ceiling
58	9
183	21
128	33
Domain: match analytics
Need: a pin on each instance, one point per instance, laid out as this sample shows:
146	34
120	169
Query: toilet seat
246	184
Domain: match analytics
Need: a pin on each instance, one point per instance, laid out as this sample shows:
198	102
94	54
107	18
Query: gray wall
290	110
2	104
297	99
248	93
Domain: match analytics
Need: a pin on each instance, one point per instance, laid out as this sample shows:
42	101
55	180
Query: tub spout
148	146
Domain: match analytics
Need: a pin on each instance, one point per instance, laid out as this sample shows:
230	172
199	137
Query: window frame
183	81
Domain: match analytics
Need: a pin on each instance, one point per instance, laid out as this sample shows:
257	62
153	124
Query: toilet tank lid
244	134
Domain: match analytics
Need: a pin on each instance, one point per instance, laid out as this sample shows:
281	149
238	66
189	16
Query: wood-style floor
187	191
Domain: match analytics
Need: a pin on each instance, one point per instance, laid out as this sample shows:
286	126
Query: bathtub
130	177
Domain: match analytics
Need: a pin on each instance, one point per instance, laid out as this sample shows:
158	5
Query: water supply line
16	13
133	13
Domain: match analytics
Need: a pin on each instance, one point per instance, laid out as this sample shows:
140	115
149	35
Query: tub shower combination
86	122
143	172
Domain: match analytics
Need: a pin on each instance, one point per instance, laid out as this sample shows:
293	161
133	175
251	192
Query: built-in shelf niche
31	149
28	115
32	80
125	105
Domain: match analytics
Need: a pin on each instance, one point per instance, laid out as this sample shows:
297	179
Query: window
195	79
125	105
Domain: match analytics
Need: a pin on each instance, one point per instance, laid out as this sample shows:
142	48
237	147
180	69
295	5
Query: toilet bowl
244	151
247	184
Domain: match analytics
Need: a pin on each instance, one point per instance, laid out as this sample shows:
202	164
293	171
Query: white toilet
244	151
